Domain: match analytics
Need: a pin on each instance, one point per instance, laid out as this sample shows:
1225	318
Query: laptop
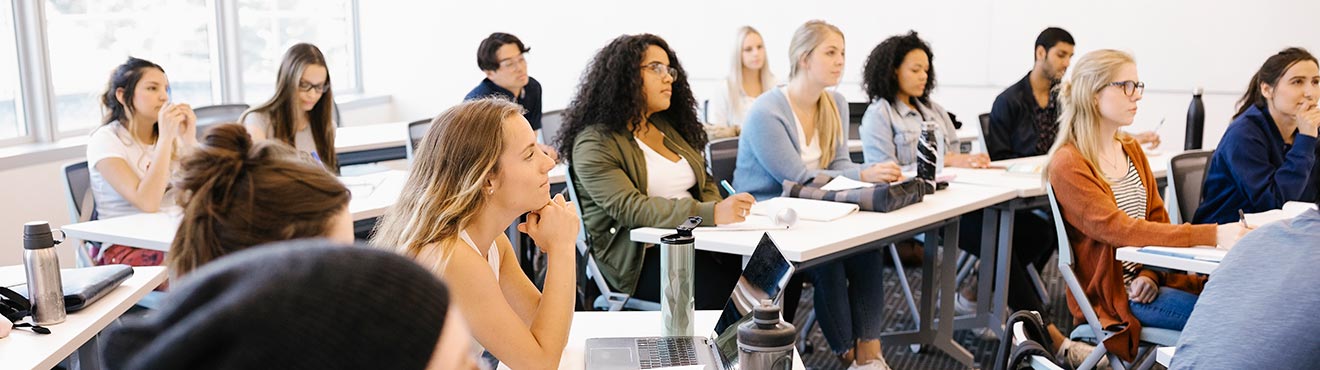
764	277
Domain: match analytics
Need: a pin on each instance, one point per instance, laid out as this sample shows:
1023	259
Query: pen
1242	218
1158	125
727	187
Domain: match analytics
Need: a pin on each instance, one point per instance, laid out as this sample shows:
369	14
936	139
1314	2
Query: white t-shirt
114	141
721	111
302	139
665	178
810	150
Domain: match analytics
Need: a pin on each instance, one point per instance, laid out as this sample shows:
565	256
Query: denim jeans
1169	310
849	297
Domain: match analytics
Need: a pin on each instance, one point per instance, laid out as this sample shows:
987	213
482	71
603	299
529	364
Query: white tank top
492	253
665	178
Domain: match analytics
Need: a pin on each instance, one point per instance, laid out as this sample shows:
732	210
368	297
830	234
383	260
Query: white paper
1210	254
1288	212
752	223
845	183
807	209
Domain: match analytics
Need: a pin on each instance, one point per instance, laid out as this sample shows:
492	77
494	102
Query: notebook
807	209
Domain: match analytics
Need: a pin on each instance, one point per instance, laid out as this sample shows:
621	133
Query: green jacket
609	175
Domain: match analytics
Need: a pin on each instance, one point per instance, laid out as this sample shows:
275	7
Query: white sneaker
963	307
878	364
1075	352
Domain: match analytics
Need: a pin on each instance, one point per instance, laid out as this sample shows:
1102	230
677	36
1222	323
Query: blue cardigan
1253	170
769	149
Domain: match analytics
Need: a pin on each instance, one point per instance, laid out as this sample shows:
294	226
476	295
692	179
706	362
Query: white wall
423	54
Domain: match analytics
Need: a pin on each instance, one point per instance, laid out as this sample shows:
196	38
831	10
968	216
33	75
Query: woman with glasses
634	144
799	131
1267	154
301	112
1109	199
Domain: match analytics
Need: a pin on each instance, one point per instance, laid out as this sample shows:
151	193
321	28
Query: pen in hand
1242	219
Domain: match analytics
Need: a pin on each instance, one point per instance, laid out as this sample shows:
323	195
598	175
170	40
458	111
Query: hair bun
229	137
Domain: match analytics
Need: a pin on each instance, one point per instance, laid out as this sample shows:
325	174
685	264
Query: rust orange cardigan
1096	228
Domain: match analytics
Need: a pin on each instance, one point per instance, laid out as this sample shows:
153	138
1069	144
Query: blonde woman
1109	199
749	77
795	133
477	170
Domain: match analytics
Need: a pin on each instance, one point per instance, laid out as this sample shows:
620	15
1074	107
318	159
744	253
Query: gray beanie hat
291	305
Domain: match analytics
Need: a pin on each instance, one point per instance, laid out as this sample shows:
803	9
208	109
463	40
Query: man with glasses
503	58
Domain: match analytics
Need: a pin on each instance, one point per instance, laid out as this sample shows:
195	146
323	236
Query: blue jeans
849	296
1169	310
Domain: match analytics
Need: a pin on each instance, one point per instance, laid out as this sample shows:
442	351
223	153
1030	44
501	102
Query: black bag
883	197
14	307
1015	356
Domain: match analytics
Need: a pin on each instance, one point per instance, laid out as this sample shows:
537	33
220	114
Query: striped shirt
1130	195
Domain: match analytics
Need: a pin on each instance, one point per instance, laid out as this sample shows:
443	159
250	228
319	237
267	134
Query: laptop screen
764	277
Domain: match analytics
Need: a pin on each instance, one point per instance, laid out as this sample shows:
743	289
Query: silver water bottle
43	273
766	342
677	262
927	157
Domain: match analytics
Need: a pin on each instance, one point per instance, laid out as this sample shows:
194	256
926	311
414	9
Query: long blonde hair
460	152
735	80
1079	119
829	126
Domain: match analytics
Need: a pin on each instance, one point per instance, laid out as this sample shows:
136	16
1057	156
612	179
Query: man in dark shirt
502	57
1025	117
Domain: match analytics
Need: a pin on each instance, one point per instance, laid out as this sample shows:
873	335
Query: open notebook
1289	211
807	209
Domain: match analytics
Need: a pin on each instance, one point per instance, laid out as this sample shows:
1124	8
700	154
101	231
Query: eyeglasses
515	61
661	69
303	86
1130	87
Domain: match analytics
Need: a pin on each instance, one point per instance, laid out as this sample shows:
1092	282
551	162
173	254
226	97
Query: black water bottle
1195	121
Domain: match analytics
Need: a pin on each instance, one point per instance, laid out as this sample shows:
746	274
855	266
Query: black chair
855	113
212	115
78	184
416	131
985	129
551	123
608	300
721	159
1186	175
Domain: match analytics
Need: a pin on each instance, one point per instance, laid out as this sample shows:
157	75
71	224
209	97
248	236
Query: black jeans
716	275
1034	241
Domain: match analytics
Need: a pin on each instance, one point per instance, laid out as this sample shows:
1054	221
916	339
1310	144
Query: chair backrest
1186	175
551	122
1066	260
583	239
416	131
78	184
722	158
984	119
217	114
855	113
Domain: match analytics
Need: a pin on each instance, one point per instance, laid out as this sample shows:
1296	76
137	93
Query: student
451	219
236	195
1267	153
1025	117
1108	197
749	76
503	58
301	113
1248	295
899	78
131	155
799	131
303	304
634	145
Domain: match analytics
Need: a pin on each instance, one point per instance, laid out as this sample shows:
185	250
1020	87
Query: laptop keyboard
666	351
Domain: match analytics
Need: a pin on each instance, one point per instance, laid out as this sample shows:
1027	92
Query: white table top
1134	254
809	240
372	195
369	137
1029	185
587	325
24	349
1164	355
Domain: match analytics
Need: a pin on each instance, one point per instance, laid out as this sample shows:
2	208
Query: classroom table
24	349
371	143
812	243
1134	254
1029	190
587	325
372	195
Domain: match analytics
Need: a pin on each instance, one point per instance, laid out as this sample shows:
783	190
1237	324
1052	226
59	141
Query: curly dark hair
879	75
610	94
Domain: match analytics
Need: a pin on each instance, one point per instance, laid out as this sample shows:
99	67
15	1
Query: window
10	126
88	38
267	28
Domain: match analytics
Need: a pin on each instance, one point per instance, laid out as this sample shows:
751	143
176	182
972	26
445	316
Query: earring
491	192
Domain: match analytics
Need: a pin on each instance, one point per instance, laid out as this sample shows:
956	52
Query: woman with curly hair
634	116
898	78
